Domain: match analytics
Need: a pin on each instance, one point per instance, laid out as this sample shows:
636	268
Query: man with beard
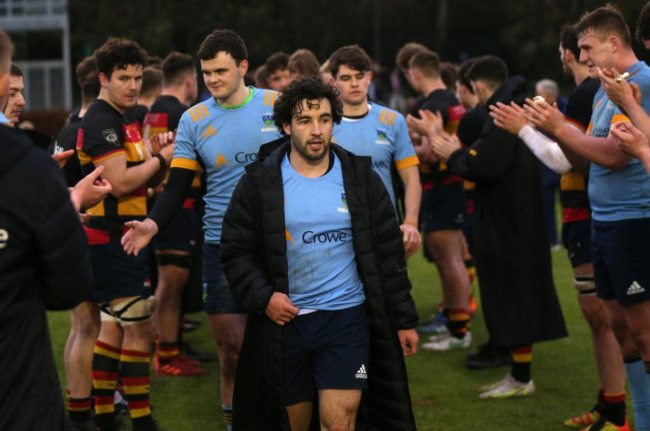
312	249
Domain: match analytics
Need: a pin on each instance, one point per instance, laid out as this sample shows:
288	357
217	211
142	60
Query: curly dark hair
311	89
223	41
117	53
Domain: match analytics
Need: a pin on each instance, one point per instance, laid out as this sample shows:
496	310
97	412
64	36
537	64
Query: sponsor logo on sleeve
110	136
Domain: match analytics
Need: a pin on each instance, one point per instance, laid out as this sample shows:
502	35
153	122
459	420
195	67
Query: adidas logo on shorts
634	288
362	373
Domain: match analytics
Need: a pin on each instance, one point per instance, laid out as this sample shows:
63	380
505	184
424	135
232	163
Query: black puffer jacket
43	264
254	259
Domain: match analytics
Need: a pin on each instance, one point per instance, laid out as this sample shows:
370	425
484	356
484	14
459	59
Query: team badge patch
269	126
343	209
382	137
110	135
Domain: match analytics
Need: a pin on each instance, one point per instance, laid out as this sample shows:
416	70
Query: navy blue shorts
116	274
621	252
443	207
217	297
325	350
576	236
180	234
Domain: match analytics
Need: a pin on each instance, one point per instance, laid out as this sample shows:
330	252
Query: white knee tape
585	286
130	311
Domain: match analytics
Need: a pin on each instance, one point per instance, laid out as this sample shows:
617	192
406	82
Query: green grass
444	392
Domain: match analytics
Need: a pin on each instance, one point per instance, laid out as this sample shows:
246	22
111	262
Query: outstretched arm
167	206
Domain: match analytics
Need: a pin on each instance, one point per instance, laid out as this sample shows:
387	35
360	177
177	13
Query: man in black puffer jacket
300	260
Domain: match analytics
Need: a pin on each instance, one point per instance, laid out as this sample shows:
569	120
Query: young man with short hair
616	186
368	129
225	133
313	251
108	138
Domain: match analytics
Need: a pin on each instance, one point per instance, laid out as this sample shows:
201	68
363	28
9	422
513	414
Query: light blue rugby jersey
381	134
623	194
226	139
322	265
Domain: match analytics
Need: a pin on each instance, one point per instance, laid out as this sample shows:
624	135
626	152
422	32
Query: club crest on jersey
110	135
269	126
132	133
382	137
343	209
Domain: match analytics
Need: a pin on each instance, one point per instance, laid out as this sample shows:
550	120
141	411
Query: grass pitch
444	392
